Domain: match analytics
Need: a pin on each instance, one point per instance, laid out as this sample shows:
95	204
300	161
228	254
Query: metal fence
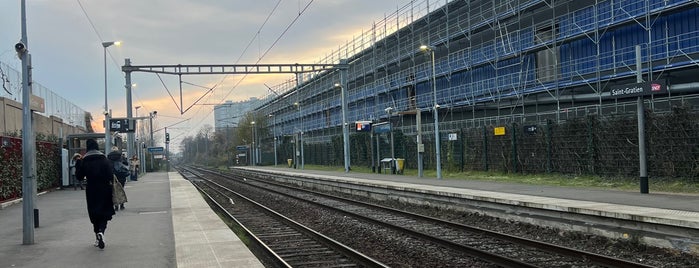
56	105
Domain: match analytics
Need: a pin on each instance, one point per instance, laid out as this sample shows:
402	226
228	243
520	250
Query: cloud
68	57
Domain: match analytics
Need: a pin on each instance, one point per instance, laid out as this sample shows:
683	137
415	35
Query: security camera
20	48
436	106
105	112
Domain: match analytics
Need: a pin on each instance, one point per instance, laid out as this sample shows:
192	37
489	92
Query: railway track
288	243
496	248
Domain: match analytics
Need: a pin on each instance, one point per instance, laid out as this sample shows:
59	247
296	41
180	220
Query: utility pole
129	135
30	214
643	165
345	126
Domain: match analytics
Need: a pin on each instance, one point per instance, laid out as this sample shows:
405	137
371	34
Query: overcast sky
67	54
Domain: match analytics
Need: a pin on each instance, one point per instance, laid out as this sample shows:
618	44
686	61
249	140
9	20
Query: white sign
452	136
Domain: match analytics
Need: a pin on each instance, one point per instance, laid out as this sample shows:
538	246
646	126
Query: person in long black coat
97	169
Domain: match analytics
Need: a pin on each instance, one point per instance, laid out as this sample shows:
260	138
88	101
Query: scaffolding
496	62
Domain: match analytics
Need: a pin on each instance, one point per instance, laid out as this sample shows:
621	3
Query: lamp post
274	135
435	112
345	129
130	134
107	132
30	213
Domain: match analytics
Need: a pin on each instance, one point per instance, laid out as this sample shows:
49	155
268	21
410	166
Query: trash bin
289	161
400	164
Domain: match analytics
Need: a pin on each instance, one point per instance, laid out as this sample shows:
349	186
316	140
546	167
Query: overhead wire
254	37
99	36
301	12
272	46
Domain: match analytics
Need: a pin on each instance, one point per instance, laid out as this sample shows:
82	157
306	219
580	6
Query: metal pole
274	134
167	153
378	153
393	151
28	142
152	141
643	168
107	132
129	114
436	118
151	129
345	127
252	149
301	138
420	146
299	145
371	147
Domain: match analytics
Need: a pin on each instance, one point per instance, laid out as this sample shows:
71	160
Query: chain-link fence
581	142
55	105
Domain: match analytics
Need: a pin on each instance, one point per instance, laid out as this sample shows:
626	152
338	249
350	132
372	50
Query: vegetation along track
492	247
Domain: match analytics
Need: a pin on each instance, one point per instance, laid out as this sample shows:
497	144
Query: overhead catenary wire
99	36
276	41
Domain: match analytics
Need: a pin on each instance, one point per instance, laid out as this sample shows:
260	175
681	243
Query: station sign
453	136
37	104
156	150
363	126
382	128
123	125
638	89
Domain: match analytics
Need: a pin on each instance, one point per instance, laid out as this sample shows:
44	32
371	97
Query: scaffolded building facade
496	62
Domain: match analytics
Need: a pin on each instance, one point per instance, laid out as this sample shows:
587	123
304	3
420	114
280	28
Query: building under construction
513	64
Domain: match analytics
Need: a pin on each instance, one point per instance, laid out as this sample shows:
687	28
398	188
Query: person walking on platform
133	167
97	170
77	158
121	170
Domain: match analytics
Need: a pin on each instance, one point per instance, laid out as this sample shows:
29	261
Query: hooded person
74	162
118	160
97	170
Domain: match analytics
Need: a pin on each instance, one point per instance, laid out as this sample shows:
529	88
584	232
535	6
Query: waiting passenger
121	169
73	163
134	166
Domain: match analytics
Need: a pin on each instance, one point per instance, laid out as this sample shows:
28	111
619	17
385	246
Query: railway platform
677	212
166	223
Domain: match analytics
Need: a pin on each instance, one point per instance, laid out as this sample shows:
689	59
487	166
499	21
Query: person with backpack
121	170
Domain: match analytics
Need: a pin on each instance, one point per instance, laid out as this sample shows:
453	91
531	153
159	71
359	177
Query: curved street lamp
107	131
345	127
431	49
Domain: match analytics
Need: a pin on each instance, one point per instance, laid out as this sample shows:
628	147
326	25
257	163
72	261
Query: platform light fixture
435	110
107	132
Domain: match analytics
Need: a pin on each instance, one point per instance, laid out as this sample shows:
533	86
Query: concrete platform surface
672	209
151	232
